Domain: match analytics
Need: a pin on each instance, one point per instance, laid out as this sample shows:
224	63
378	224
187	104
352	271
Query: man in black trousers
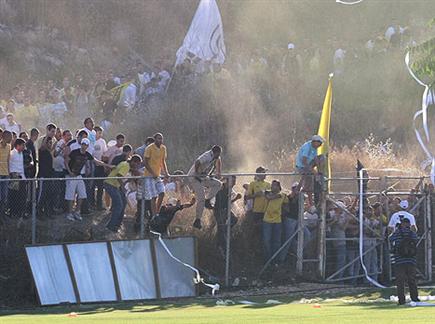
404	250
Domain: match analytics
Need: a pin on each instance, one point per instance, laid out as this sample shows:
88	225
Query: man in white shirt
59	169
92	135
201	171
397	217
17	189
11	125
114	150
100	148
127	99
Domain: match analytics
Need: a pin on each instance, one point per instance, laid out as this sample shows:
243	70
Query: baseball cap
404	204
260	169
86	141
317	138
295	184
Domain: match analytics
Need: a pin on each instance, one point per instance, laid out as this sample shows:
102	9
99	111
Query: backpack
407	247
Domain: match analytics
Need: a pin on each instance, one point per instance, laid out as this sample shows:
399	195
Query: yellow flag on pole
325	121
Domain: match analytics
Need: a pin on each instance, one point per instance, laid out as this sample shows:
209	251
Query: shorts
152	188
74	187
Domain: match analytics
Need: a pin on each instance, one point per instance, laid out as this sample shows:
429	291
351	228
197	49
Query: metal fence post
322	239
228	247
33	190
300	251
429	235
142	210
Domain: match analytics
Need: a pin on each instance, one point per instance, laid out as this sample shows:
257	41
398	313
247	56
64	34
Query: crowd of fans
84	153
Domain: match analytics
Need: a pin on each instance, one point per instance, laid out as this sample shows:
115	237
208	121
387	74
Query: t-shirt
111	152
16	163
45	164
206	164
395	240
140	150
78	160
4	159
100	148
273	209
121	169
128	97
293	207
396	218
118	159
307	150
260	203
156	156
58	160
14	127
92	137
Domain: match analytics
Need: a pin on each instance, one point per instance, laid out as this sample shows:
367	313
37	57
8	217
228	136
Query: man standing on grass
154	163
201	171
404	250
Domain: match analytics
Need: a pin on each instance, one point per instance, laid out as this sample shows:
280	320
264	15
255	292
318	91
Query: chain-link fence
282	227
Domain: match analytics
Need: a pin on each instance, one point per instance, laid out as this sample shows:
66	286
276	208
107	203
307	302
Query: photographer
403	256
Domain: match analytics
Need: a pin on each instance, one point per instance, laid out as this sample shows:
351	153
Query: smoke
267	98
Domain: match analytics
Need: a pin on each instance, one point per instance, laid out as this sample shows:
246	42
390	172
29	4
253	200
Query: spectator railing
309	250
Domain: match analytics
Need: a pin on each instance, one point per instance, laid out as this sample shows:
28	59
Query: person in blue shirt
403	258
309	164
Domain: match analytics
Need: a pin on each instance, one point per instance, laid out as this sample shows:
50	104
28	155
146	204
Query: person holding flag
309	164
312	160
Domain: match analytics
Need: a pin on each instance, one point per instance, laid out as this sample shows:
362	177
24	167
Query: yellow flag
325	121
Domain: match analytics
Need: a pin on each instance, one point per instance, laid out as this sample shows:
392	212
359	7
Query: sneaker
77	216
70	217
197	223
208	204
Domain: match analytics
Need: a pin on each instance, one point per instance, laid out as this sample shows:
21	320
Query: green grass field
362	309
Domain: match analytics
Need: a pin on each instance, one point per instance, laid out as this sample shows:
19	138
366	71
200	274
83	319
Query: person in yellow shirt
154	163
5	152
256	191
254	218
272	219
116	190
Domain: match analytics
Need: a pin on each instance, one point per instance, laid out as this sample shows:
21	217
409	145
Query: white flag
205	38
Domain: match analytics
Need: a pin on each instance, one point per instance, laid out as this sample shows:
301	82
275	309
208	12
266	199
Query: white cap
291	46
317	138
172	201
404	204
340	205
86	142
295	184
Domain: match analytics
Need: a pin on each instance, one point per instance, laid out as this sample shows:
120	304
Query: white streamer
198	279
361	230
424	102
349	3
428	98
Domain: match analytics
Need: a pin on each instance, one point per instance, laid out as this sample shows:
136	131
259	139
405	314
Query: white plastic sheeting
51	274
93	272
94	278
134	268
175	279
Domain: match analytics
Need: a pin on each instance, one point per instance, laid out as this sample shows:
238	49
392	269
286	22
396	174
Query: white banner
205	38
